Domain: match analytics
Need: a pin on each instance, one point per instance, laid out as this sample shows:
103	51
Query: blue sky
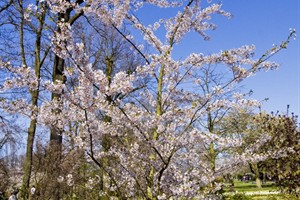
262	23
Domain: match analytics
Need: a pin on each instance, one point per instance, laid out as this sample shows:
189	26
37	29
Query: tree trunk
28	160
58	75
58	70
55	145
106	140
258	182
254	169
34	102
159	112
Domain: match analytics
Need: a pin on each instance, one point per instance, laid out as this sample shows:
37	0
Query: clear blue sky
259	22
263	23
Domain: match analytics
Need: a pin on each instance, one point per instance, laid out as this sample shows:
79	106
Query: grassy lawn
274	197
252	192
251	186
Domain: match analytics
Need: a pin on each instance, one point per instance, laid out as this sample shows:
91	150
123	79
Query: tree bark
28	160
34	102
254	169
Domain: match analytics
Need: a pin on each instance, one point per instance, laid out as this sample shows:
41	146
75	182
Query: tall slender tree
29	21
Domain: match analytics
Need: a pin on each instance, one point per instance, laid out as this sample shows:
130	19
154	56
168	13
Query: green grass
275	197
242	187
250	187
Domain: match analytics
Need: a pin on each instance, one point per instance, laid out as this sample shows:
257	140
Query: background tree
285	134
281	135
25	27
239	123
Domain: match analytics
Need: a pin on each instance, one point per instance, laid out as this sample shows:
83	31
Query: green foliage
285	135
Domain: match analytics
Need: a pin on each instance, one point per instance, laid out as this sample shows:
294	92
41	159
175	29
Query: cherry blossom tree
154	150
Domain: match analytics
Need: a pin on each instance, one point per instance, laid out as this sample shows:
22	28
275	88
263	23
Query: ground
268	191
